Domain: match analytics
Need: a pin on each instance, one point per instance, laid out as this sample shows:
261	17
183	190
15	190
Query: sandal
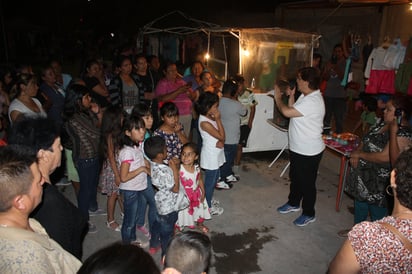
114	226
203	228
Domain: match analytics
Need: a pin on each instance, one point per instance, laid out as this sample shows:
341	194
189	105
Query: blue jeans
211	178
88	170
141	215
230	154
130	205
147	198
167	225
362	209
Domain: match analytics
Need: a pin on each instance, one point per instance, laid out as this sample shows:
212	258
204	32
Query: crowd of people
127	136
165	142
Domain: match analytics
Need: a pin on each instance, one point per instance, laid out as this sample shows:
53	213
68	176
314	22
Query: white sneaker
216	210
215	202
92	228
231	179
222	185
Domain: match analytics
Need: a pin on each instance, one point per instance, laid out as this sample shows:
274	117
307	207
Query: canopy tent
262	54
179	38
183	24
254	52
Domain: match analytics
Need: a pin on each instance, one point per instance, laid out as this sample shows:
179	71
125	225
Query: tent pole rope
329	15
208	42
224	51
224	47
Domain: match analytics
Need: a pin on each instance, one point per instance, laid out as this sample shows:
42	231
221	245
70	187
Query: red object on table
343	144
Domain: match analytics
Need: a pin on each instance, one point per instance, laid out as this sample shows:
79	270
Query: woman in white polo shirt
305	142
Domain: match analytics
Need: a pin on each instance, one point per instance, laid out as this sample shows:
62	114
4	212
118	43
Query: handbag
182	201
364	185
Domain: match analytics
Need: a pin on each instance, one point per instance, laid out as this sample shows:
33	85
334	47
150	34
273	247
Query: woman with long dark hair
82	119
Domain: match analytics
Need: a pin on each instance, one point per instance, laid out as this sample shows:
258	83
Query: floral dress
367	182
107	179
173	143
197	211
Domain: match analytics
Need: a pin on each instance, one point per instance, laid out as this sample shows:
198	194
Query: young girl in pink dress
191	179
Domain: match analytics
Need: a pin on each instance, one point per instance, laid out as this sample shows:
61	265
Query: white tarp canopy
261	53
178	23
268	54
178	37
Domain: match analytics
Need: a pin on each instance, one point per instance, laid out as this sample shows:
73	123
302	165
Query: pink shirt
135	157
182	101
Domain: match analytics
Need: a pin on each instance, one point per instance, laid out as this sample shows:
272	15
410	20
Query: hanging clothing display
381	67
366	52
381	79
403	79
346	77
394	55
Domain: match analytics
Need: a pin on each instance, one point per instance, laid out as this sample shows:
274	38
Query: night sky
59	23
118	14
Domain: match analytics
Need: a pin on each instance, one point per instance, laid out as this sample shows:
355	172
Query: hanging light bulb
245	51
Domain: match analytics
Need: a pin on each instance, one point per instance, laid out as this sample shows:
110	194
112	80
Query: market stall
269	54
179	38
264	55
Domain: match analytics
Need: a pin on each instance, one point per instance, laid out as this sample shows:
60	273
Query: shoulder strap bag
399	235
